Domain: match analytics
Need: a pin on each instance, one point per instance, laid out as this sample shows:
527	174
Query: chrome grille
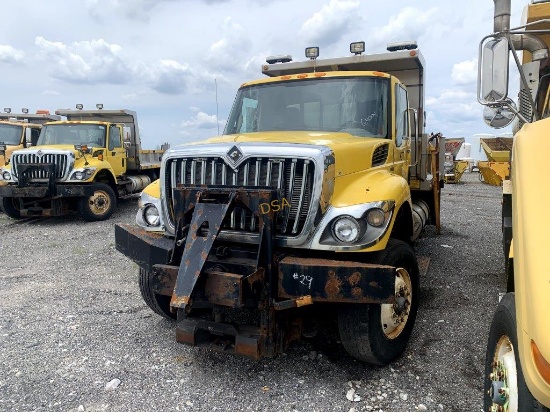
292	177
60	160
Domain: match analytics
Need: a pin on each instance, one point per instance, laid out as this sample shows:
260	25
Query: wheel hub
99	202
503	390
394	316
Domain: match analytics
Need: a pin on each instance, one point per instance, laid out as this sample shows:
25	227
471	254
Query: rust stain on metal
354	278
357	292
332	287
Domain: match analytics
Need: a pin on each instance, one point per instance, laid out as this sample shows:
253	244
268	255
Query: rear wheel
10	206
160	304
378	334
100	205
505	385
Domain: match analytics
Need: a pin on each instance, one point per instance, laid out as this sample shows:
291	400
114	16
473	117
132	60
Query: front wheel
160	304
504	380
378	334
100	205
10	206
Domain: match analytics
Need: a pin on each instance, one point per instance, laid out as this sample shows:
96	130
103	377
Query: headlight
346	229
151	215
6	175
83	174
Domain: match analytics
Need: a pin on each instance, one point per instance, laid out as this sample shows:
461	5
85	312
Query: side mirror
493	71
500	116
28	137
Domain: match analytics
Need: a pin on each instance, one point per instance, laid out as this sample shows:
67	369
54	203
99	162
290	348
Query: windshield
81	134
356	105
10	134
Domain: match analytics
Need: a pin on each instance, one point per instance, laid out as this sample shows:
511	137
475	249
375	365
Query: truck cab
20	130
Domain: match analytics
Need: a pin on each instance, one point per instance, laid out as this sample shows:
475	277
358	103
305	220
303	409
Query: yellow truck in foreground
19	130
310	199
517	367
84	163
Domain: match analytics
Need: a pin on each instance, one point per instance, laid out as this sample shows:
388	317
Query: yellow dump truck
83	163
19	130
312	196
517	366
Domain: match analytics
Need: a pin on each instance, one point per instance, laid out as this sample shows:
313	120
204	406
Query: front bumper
39	192
323	280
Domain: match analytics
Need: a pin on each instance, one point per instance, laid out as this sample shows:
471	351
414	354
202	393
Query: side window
401	114
114	137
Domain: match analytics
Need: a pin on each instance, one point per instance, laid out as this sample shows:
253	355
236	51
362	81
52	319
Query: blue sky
163	58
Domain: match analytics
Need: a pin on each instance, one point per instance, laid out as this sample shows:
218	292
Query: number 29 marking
303	279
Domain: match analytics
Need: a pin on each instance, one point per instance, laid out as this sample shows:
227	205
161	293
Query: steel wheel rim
504	379
99	202
394	316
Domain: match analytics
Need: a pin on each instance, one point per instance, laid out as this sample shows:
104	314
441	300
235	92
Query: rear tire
160	304
378	334
100	205
10	206
502	356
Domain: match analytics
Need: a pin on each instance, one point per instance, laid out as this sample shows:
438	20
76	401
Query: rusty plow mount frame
244	298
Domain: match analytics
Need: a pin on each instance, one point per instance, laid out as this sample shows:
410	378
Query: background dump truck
517	367
18	130
84	163
309	200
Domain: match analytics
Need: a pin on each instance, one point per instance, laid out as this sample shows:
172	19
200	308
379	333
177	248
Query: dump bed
497	149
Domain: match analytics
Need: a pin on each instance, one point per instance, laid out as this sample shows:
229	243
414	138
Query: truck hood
50	149
357	151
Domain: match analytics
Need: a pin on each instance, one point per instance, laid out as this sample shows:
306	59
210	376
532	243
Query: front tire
10	206
502	366
378	334
160	304
100	205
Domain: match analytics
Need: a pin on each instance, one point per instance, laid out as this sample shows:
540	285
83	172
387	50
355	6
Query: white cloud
8	54
464	72
50	93
94	61
169	77
409	24
202	121
331	23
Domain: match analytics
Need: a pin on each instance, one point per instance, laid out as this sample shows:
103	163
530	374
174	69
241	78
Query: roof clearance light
79	106
99	106
42	111
25	110
7	110
357	47
312	52
278	59
403	45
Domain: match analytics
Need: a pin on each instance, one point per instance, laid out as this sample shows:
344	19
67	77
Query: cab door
116	154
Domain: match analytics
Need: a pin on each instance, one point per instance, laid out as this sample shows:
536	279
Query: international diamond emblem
39	153
234	155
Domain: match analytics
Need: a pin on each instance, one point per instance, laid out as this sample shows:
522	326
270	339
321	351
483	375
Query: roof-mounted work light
357	47
312	52
79	106
7	110
25	110
99	106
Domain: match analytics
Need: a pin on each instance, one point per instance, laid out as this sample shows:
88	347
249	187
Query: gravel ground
73	326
